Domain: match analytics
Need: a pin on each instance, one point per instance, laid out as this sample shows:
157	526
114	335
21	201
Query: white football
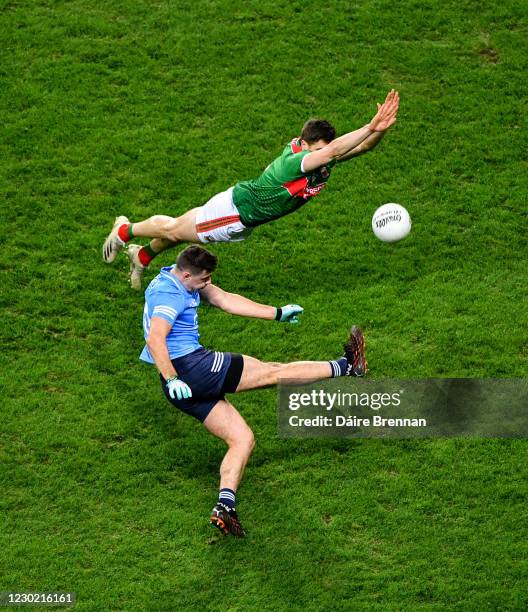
391	222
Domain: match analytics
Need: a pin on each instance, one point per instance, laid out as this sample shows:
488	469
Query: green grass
144	107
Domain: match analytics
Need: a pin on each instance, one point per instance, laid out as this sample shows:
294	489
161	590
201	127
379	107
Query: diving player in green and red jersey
290	181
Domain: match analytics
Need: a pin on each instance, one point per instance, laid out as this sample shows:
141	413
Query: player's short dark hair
317	129
195	259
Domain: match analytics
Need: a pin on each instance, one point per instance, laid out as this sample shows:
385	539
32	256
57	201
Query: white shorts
218	220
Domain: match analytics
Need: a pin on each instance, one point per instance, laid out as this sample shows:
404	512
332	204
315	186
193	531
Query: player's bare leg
226	423
173	229
169	229
257	374
166	232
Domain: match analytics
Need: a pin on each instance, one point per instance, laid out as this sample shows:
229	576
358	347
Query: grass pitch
144	107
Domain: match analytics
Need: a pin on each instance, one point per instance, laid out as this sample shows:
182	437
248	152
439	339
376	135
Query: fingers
184	392
393	98
181	391
389	108
395	102
386	115
294	307
296	311
290	312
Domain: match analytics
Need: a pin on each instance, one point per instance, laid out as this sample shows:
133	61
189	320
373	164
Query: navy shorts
210	375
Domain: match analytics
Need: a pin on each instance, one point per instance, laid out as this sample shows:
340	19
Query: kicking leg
257	374
226	423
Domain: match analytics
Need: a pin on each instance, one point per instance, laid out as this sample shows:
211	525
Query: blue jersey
168	299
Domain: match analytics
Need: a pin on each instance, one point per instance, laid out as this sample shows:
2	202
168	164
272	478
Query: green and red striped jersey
281	189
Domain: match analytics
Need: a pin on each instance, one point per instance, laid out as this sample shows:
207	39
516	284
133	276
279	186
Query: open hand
386	115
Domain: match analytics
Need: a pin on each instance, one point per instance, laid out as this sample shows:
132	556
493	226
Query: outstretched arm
381	128
367	137
237	304
367	145
244	307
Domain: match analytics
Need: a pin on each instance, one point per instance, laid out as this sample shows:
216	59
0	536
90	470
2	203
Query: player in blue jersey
196	379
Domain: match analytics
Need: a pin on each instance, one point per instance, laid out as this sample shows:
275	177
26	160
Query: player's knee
173	230
168	227
245	442
273	373
250	444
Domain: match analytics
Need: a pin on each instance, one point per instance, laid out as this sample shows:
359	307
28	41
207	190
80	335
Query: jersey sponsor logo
312	191
300	188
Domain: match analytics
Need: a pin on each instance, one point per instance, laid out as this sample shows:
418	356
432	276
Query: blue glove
178	388
289	313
